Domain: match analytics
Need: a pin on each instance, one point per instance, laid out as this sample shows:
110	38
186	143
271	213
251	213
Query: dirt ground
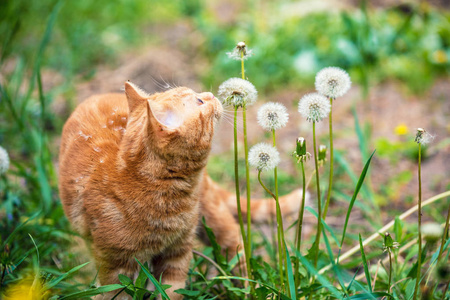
388	106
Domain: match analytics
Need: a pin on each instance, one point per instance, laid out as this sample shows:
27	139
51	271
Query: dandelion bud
423	137
300	151
237	92
332	82
301	146
263	156
240	52
4	161
432	232
322	153
272	116
314	107
389	243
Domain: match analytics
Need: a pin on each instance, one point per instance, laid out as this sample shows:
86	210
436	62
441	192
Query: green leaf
325	283
221	261
188	293
361	138
398	229
291	281
92	292
58	279
125	280
366	268
336	269
325	225
141	280
371	295
358	187
45	188
413	271
274	290
10	237
158	286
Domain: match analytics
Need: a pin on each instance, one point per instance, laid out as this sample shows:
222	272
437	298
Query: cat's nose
207	96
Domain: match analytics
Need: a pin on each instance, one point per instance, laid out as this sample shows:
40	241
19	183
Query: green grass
74	38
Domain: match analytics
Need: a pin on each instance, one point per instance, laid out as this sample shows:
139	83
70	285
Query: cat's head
178	120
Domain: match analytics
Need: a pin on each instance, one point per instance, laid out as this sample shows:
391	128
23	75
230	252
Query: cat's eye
200	101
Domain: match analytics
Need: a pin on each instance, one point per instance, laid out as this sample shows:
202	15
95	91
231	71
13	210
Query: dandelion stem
419	224
300	226
264	187
319	205
444	235
242	66
330	179
280	231
247	176
278	212
390	270
238	194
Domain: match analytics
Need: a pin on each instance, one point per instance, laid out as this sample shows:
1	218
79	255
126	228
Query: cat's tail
262	209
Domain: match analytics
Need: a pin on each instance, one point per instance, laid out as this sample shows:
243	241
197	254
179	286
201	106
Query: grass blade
10	237
57	280
325	225
292	290
153	280
275	290
371	295
361	138
364	190
358	187
325	283
366	268
92	292
335	267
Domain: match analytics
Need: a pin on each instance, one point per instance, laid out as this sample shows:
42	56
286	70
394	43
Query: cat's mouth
218	109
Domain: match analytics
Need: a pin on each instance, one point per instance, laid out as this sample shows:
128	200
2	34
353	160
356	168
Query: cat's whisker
165	85
158	84
230	121
232	111
176	85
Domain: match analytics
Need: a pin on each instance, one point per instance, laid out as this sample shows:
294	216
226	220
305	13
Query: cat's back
100	118
89	144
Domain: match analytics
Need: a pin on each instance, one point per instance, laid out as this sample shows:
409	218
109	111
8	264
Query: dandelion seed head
237	92
332	82
263	156
4	160
272	116
432	232
314	107
240	52
423	137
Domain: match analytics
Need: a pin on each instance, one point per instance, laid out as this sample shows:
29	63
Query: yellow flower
29	288
401	129
440	56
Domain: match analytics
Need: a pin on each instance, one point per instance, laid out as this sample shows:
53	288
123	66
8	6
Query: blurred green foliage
411	45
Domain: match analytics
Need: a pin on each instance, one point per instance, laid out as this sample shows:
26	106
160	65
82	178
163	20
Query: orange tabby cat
133	182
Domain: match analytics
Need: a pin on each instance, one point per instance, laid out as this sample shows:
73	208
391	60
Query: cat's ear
135	95
163	121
